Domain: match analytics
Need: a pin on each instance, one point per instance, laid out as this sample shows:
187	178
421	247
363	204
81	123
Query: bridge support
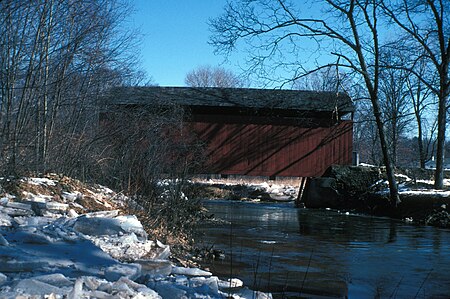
299	203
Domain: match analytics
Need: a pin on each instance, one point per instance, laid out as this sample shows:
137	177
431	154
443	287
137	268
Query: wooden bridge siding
274	150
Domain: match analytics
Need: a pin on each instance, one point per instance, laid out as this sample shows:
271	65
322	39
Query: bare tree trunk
440	150
372	85
394	144
422	158
393	189
44	129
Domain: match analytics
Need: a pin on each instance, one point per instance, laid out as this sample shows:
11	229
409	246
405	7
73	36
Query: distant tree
326	79
423	103
395	101
208	76
365	134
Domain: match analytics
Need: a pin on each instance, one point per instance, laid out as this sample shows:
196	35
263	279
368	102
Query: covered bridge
259	132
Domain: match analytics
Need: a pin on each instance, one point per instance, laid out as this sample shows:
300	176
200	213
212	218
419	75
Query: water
296	253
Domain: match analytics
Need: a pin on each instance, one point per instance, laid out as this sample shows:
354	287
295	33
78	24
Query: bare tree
140	147
350	30
395	101
365	134
423	103
56	58
207	76
326	79
427	26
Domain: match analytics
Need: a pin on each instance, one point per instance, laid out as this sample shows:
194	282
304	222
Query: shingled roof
232	97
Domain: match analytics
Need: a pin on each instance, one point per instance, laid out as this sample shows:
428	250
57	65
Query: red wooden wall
274	150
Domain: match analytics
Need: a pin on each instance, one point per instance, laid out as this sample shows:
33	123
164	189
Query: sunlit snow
49	250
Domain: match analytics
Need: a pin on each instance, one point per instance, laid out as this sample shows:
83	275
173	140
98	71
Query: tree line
57	60
394	51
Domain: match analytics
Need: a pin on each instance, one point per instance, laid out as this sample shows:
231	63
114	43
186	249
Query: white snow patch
231	283
366	165
404	177
41	181
268	242
70	196
190	271
433	192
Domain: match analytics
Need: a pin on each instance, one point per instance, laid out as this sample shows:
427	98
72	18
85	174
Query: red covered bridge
259	132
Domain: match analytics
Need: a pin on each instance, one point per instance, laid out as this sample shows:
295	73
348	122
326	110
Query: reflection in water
392	232
294	252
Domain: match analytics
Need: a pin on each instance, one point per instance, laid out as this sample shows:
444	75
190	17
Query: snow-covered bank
365	190
275	191
60	238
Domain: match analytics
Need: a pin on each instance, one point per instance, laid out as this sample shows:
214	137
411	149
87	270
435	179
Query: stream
304	253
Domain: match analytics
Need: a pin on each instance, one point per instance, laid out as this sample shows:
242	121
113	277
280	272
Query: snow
41	181
190	271
257	191
231	283
366	165
404	177
430	182
428	192
407	187
49	250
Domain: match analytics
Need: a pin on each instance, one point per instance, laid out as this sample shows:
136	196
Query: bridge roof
279	99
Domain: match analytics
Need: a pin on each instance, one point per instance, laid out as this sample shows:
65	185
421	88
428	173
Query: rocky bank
365	189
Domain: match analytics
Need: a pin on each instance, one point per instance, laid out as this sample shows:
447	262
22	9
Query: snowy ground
254	190
52	246
409	186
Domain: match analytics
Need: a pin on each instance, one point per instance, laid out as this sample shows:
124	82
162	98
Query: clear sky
176	37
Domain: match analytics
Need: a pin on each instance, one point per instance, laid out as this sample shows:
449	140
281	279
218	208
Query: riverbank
63	238
364	189
246	189
361	189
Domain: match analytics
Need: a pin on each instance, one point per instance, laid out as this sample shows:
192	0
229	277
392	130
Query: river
303	253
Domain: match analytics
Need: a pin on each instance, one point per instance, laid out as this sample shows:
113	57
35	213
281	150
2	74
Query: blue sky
176	37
